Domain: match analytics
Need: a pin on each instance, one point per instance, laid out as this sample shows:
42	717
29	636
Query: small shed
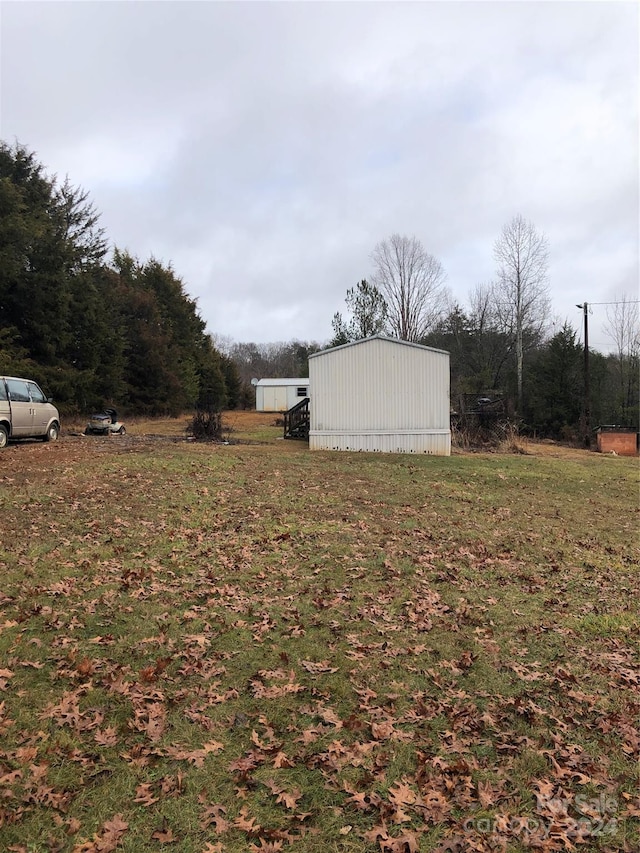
279	395
616	439
380	395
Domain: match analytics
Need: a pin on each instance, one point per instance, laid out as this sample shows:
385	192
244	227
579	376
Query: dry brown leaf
317	667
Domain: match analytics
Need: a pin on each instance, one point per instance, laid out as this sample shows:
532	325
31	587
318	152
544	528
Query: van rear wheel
4	437
52	433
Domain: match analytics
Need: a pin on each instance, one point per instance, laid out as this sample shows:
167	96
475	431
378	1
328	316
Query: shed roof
379	338
287	381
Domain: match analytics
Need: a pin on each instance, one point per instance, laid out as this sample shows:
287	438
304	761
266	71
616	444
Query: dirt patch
22	457
554	449
143	434
179	427
25	458
251	420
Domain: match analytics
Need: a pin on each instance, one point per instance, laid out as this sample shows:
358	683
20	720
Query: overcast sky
265	148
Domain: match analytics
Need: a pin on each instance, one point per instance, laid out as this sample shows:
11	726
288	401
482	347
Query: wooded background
97	327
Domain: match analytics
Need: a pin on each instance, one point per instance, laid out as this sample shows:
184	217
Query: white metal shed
279	395
381	395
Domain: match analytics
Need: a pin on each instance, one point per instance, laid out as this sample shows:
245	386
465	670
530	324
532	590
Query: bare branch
521	291
623	326
412	284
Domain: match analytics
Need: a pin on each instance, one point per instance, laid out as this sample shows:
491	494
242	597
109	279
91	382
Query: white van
25	412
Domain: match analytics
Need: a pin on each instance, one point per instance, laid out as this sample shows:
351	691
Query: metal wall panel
433	443
273	395
382	387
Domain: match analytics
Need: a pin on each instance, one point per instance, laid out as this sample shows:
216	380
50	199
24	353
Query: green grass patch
254	647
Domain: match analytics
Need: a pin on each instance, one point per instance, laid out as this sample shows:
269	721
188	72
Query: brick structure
622	441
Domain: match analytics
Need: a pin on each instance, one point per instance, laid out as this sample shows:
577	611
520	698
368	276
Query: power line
621	302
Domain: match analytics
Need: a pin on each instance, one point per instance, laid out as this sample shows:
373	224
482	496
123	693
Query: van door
21	408
5	411
41	409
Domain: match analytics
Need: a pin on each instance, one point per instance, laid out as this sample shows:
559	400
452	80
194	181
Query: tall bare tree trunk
623	327
411	282
521	292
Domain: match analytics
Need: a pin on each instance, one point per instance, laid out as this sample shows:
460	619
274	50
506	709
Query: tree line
501	346
93	329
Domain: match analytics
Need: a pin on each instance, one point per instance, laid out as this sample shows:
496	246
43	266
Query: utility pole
587	395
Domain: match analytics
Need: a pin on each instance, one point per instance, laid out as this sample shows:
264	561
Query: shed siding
433	443
275	398
380	395
273	395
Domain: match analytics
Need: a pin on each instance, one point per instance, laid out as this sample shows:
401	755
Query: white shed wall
274	396
380	395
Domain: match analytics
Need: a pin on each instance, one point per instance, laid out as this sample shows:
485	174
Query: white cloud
265	148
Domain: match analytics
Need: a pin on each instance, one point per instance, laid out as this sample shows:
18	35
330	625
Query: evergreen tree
555	386
50	249
212	395
368	312
453	334
32	291
232	382
126	334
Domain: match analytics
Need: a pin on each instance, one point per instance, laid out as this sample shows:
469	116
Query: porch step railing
297	420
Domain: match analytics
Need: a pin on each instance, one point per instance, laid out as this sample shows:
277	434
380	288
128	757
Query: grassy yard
229	648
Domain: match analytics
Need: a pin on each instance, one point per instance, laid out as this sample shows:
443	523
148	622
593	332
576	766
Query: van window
36	394
18	391
3	390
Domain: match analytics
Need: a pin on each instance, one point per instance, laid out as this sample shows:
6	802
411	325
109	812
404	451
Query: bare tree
491	347
623	327
223	343
411	282
521	292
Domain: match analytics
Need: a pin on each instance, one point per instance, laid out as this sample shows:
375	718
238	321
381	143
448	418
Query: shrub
206	426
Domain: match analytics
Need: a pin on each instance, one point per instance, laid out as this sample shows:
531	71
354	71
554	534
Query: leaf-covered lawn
216	649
